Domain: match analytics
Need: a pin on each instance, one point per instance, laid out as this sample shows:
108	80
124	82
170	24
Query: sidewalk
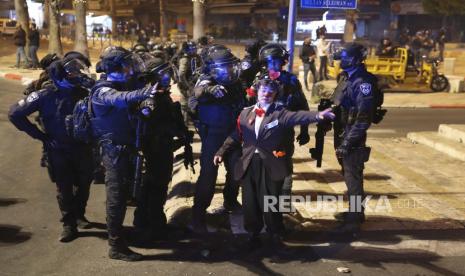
26	75
402	99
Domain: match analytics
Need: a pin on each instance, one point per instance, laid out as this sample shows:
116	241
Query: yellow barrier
380	66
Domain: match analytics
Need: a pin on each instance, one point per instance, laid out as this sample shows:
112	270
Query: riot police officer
162	121
44	79
188	63
274	57
250	64
354	97
112	101
218	99
69	161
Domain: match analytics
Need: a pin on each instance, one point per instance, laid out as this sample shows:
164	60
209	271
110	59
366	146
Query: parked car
7	26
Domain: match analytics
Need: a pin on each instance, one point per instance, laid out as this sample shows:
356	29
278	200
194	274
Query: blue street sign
329	4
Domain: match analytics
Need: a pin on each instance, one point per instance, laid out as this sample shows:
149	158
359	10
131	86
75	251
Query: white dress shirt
322	47
259	120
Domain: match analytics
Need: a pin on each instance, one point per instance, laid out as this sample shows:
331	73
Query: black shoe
83	223
68	234
253	243
123	253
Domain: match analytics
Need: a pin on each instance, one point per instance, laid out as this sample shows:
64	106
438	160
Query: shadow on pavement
12	234
11	201
312	244
331	176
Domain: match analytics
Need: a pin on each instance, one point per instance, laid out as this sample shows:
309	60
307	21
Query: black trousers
309	67
256	185
323	68
354	164
149	214
117	160
73	172
212	140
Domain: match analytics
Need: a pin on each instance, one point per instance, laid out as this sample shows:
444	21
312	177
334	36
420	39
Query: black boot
199	223
123	253
254	242
68	234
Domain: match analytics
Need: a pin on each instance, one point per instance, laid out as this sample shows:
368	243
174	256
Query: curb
16	77
26	81
451	106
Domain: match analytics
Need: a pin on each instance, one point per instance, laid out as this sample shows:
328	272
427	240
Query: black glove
218	91
342	150
303	138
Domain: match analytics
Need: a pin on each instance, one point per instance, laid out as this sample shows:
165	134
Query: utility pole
199	18
113	16
163	30
291	31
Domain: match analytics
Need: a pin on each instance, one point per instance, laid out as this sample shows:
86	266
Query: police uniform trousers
290	148
257	184
71	169
117	160
149	213
184	99
354	164
212	139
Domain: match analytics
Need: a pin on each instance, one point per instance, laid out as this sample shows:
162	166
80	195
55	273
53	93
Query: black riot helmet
139	49
203	41
351	56
273	51
222	65
204	55
70	73
254	48
75	54
47	60
157	70
189	47
120	64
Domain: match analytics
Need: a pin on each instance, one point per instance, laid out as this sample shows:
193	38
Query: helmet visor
225	73
76	68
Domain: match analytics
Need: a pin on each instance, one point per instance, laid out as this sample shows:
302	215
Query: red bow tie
260	112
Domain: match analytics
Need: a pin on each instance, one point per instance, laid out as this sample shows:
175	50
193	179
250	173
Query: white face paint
266	95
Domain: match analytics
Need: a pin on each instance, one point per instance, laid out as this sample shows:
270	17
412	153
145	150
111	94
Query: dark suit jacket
273	130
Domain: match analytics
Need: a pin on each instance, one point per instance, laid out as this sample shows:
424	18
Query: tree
54	41
23	18
80	45
199	18
449	9
163	30
446	8
46	14
349	28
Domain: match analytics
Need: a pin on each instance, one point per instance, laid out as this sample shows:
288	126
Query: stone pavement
412	188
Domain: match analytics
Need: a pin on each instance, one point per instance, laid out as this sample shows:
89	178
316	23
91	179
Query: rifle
321	129
139	158
188	153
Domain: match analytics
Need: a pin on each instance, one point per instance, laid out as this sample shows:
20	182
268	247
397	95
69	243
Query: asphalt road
29	226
